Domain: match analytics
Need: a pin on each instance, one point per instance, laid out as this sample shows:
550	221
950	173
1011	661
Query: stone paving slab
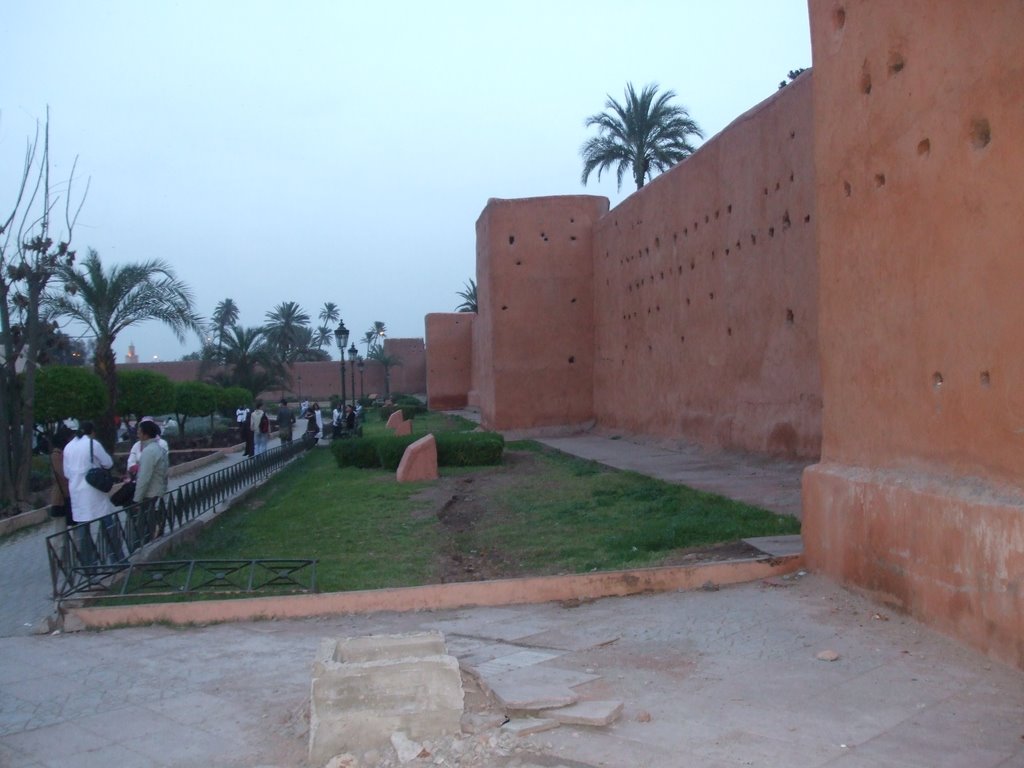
777	546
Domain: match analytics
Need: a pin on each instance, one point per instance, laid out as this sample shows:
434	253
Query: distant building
131	357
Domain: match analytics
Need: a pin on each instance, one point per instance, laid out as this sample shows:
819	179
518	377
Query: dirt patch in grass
460	503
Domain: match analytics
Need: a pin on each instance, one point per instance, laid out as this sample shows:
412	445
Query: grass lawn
540	513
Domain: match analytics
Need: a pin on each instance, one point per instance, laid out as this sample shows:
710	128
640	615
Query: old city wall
533	345
706	287
450	362
919	160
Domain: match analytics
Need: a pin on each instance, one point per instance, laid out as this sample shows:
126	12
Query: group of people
254	427
74	454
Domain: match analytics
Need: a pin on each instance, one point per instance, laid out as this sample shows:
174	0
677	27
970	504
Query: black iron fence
87	556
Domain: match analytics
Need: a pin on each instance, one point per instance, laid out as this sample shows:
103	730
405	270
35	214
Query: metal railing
177	577
88	556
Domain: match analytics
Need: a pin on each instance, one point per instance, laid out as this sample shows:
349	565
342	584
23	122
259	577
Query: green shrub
390	449
469	449
356	453
454	449
409	411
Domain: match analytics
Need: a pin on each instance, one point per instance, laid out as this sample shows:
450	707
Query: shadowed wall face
706	289
920	160
534	343
449	359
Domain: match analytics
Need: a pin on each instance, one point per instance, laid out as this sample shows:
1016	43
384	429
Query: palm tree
225	315
283	325
109	302
645	134
388	362
248	361
329	315
378	331
306	349
368	340
468	297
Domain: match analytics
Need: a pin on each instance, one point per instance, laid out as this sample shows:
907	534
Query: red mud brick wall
534	334
449	359
919	119
706	289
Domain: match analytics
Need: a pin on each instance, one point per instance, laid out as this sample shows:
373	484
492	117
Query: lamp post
361	365
341	337
353	353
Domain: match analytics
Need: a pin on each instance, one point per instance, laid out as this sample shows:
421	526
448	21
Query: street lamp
361	365
353	353
341	336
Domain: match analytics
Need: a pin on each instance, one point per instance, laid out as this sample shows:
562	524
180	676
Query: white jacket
87	503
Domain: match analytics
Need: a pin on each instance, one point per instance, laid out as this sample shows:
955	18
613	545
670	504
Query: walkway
707	679
25	585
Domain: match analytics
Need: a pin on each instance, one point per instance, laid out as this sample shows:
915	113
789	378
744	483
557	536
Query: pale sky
317	151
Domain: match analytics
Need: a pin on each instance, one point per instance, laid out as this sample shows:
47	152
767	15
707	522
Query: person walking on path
285	420
89	504
259	424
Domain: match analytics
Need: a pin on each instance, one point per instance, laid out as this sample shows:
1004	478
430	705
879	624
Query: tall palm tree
108	302
388	362
248	361
329	315
282	327
305	349
468	297
379	331
644	134
368	338
225	315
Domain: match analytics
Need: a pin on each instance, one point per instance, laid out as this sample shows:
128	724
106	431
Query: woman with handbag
80	456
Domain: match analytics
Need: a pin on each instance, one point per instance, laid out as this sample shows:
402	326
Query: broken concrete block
365	689
403	428
595	713
419	462
395	419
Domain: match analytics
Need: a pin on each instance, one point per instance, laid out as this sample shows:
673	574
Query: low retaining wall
542	589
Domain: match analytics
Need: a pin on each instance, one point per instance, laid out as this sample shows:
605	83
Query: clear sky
317	151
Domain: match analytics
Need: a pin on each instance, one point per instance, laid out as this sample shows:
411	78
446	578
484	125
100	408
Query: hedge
454	449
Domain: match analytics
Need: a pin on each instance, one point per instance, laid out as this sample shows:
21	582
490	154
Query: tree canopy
109	301
644	134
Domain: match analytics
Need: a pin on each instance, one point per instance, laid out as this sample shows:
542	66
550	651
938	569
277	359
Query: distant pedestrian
285	420
259	423
242	418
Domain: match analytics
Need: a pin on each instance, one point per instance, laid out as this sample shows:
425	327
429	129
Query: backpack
264	424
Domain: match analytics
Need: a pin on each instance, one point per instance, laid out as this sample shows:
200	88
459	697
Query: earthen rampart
919	160
706	285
